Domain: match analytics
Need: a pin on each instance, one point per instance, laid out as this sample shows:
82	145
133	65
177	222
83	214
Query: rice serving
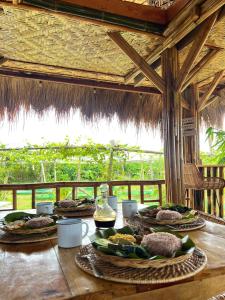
39	222
162	243
168	215
67	203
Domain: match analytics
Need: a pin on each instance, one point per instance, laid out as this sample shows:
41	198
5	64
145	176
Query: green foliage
51	162
217	138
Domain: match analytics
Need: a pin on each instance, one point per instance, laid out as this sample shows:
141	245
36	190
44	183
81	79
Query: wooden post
191	143
172	130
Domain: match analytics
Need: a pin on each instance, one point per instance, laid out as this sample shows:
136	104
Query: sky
48	129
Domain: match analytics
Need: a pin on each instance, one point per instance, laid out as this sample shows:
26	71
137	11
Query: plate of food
126	248
22	223
168	215
74	205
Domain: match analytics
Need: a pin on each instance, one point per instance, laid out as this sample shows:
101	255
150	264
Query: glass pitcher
104	215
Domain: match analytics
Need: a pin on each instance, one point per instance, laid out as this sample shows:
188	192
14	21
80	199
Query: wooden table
44	271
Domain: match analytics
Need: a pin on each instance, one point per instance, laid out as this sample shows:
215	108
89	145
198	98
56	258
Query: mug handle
86	230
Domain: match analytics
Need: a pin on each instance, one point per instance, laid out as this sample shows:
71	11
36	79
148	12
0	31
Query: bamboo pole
172	120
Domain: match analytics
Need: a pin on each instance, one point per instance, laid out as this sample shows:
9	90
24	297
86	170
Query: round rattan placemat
7	238
172	273
139	221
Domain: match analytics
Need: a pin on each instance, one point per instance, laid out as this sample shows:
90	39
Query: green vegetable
19	215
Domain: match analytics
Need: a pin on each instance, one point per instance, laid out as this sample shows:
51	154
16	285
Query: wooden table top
44	271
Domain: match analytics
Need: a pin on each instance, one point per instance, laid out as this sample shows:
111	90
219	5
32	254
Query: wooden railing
211	201
75	185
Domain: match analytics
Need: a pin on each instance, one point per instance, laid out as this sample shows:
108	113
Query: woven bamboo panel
55	40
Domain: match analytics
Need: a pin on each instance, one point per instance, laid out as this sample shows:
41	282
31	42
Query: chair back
192	177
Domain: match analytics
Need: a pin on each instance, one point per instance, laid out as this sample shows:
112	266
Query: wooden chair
194	180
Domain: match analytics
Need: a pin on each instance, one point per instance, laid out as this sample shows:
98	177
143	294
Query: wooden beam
172	39
181	26
173	10
137	60
78	81
195	50
3	60
209	102
185	104
211	88
198	67
122	8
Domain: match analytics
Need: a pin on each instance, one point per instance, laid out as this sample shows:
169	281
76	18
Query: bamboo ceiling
48	43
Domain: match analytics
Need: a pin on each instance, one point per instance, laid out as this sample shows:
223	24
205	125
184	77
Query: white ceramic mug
70	232
129	208
45	208
112	201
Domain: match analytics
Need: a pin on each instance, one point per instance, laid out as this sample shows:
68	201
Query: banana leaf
19	215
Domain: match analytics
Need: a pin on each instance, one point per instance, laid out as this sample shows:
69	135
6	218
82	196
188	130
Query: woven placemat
139	221
172	273
6	238
74	214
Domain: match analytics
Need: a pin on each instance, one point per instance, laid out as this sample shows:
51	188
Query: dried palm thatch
93	104
64	98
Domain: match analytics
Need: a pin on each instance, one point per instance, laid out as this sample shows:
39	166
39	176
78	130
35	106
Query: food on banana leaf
74	203
22	220
118	242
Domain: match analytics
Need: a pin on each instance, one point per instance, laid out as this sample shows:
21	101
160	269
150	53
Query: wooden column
191	143
172	130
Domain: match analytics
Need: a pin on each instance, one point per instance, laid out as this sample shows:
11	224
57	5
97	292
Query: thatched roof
42	42
93	104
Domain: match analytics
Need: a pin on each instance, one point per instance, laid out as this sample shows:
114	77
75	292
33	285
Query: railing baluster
33	198
110	189
221	204
142	194
74	191
129	192
209	192
160	193
214	174
57	191
14	199
95	191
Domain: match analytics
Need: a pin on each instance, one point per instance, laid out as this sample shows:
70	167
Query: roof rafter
198	67
182	26
195	50
208	93
147	70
